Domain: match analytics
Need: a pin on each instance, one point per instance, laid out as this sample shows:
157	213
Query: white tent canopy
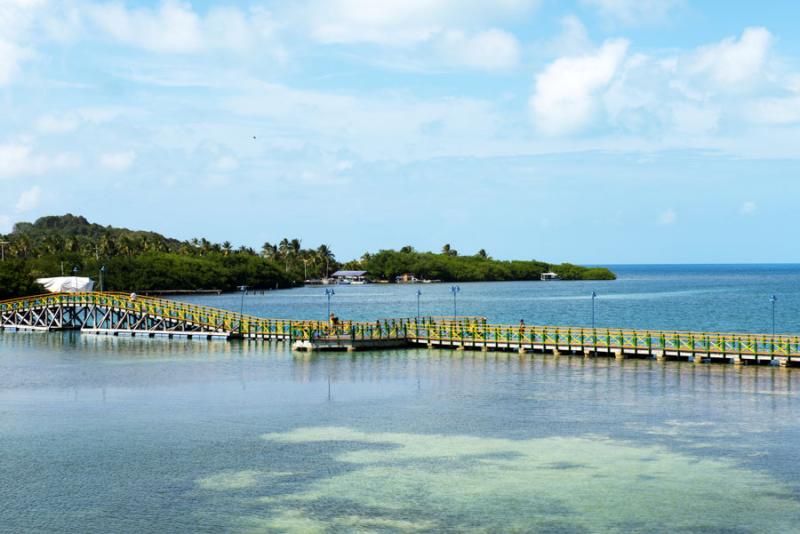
67	284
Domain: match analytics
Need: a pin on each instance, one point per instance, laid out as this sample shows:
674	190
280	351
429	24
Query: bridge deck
120	314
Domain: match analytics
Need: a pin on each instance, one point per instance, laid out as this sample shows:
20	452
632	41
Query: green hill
137	260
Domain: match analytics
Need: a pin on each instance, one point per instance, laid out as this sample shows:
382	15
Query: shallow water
149	435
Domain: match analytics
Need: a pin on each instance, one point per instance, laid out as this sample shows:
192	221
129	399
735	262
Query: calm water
129	435
730	298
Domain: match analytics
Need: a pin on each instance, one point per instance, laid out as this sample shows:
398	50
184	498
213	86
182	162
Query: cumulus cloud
731	61
459	32
175	27
118	161
29	199
688	95
564	100
18	159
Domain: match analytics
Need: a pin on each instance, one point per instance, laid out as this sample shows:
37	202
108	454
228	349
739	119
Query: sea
116	435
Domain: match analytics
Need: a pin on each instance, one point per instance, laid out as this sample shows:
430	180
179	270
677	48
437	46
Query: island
120	259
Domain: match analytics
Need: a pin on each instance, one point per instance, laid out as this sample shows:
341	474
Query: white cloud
118	161
17	159
16	18
458	32
491	49
383	124
175	27
783	110
29	199
748	208
404	22
565	97
634	11
730	61
667	217
573	40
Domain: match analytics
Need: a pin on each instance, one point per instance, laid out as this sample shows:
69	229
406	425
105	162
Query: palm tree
325	254
226	247
283	249
269	251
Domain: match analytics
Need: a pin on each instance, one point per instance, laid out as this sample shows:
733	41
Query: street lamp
102	272
773	299
75	277
243	289
419	294
455	290
329	292
594	296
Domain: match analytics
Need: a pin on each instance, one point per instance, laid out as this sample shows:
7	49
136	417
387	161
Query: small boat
549	276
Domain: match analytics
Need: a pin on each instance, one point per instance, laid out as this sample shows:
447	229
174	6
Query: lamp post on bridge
419	294
75	277
329	292
773	299
102	272
243	289
455	290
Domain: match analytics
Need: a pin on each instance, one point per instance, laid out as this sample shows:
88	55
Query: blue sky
593	131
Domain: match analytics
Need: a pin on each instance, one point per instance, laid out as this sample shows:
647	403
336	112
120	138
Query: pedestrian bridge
121	314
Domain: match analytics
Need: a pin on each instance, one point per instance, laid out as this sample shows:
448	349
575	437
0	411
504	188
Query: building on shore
407	278
548	276
350	277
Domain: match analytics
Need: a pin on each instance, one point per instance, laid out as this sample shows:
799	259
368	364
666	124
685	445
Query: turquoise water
711	298
127	435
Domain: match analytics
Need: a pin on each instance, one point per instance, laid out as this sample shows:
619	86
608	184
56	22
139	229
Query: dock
119	314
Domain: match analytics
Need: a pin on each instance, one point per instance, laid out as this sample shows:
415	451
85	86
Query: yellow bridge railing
463	331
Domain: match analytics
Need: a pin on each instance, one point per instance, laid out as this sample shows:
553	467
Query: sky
590	131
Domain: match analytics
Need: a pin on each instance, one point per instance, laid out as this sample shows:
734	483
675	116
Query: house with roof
350	277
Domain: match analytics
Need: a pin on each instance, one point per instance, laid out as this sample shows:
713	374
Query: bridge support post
587	353
659	355
618	354
556	352
697	358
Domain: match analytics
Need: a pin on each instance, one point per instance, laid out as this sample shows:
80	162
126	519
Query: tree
325	255
447	251
482	254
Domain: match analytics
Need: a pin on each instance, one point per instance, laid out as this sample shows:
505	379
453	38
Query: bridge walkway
112	313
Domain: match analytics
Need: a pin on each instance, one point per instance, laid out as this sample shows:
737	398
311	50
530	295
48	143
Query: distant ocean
681	297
